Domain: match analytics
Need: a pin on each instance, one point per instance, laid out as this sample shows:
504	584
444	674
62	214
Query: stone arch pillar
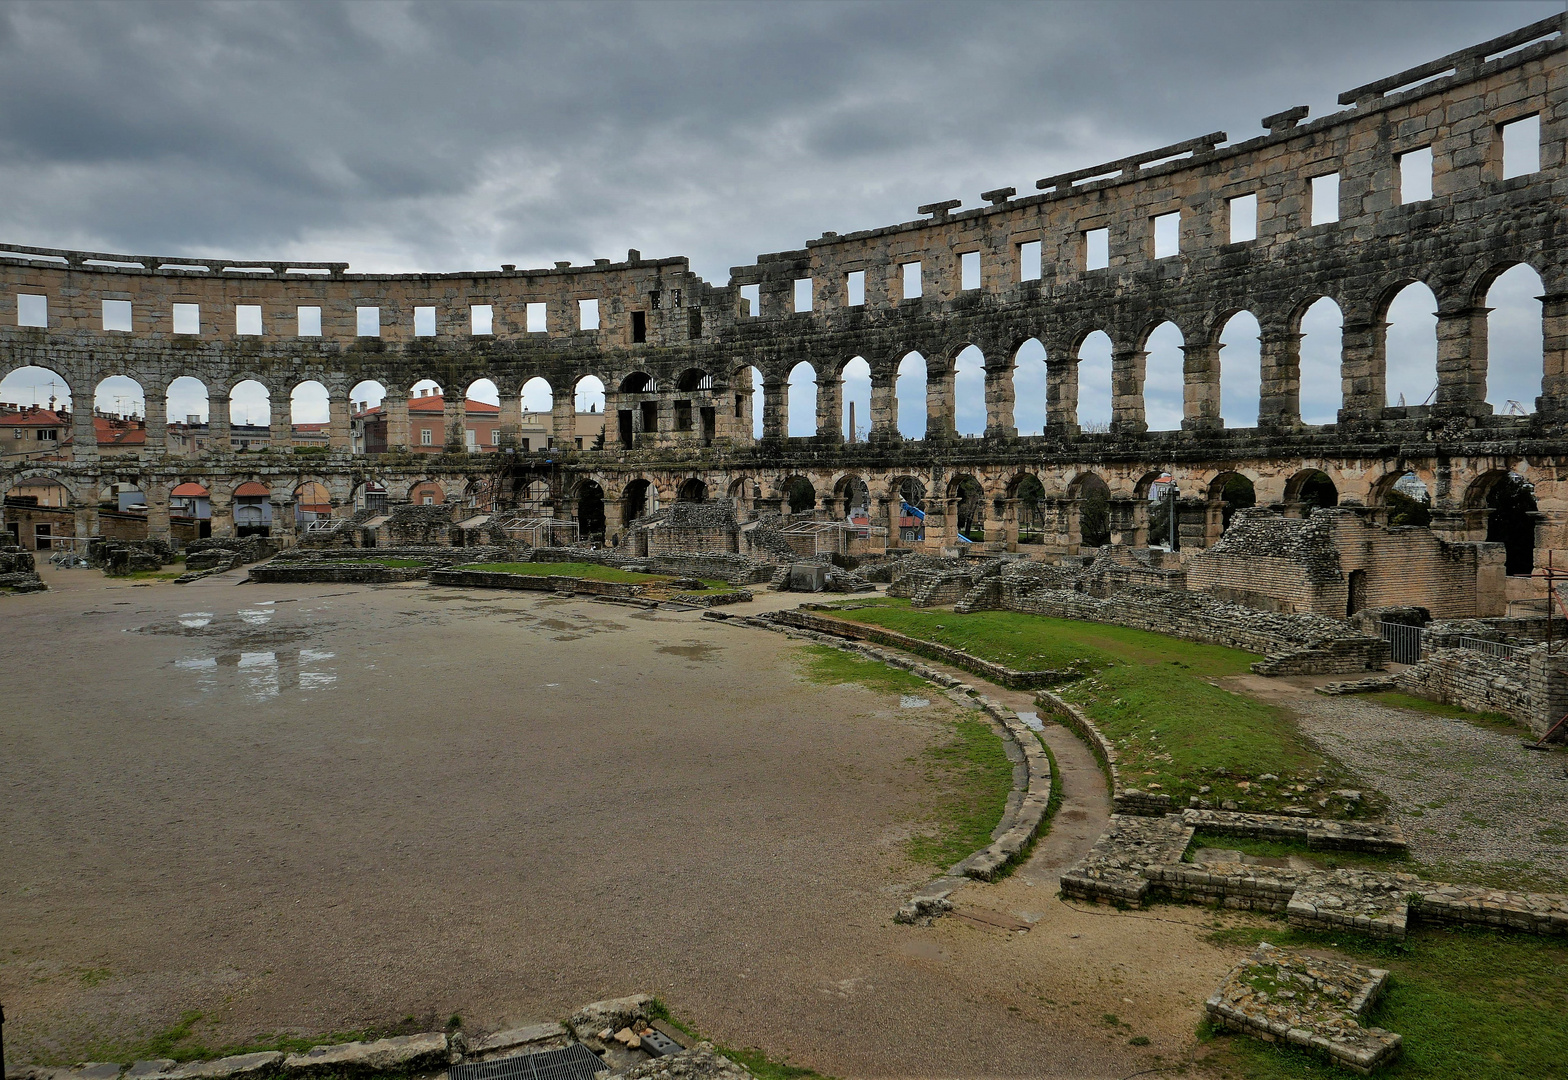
775	407
884	410
563	416
999	398
1127	373
1200	387
339	425
941	402
830	407
157	421
218	441
1554	355
1279	398
1462	362
1363	381
84	435
395	404
1061	393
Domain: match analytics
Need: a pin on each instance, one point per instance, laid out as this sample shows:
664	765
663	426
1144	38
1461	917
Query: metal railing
1404	642
1500	649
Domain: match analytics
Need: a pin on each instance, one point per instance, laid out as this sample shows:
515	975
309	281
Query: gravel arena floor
316	808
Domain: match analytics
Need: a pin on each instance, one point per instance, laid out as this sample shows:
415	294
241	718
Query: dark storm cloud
403	136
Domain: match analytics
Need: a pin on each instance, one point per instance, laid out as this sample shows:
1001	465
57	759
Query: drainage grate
576	1062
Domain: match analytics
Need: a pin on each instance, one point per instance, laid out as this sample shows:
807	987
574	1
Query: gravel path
1470	800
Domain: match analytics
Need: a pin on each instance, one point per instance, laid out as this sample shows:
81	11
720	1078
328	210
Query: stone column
87	515
395	406
157	424
1460	526
1461	362
1009	515
612	518
941	421
1279	400
563	420
282	524
218	423
453	413
1200	392
1363	376
221	504
775	408
1127	373
1554	356
1061	395
999	397
1129	521
339	431
830	407
157	510
84	435
994	514
884	410
1073	519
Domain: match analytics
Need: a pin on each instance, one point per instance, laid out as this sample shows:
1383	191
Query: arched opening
909	394
312	502
479	497
367	419
1094	510
1322	345
745	493
483	391
1241	370
639	382
250	416
1514	343
370	495
1406	499
1164	521
692	490
748	400
1094	382
588	403
1163	377
123	496
185	408
1029	506
36	386
590	510
1029	394
1410	346
309	414
1233	492
120	397
1511	500
190	508
27	516
635	501
968	507
427	493
538	399
252	509
853	498
536	420
693	380
969	392
800	495
1310	490
587	395
856	391
802	401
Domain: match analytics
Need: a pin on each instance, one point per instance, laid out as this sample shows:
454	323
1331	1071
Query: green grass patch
757	1061
1469	1002
971	776
1284	849
185	1041
590	571
148	575
834	667
397	564
1497	721
1175	729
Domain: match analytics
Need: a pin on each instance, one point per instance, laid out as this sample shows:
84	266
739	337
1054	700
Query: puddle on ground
255	616
262	674
910	701
694	651
195	620
1031	721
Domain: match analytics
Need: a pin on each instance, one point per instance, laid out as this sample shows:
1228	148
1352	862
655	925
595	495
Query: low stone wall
735	569
1474	681
336	572
494	579
1125	800
1313	832
997	673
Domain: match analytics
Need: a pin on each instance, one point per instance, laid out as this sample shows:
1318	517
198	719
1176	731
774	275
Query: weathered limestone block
401	1053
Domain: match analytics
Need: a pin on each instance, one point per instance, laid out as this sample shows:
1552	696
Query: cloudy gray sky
405	136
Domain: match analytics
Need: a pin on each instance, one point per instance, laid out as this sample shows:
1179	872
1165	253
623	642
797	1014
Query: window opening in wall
1029	388
1514	342
909	396
187	318
1320	352
751	300
802	401
969	270
1410	347
424	436
588	314
1241	370
639	327
424	322
1096	249
1325	199
1521	147
1162	378
1167	235
1511	522
855	288
367	321
536	319
653	300
116	314
32	310
650	417
856	396
1029	260
481	319
1243	214
1094	382
683	416
1415	175
309	321
969	412
694	325
247	320
802	294
912	282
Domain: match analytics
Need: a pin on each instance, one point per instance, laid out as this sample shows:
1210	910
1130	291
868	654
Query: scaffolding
535	531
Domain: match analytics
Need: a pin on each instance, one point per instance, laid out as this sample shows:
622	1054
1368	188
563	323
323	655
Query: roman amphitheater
358	764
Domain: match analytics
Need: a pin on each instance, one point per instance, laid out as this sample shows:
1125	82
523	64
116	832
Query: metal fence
1499	649
1404	642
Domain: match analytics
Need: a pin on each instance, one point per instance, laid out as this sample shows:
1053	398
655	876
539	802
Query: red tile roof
437	402
34	416
250	488
189	491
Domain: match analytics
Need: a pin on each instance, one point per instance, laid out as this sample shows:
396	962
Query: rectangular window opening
694	325
969	270
481	319
1029	260
1096	249
855	288
367	321
1415	175
588	314
1243	214
1325	199
803	294
536	319
1167	235
309	322
912	282
1521	147
116	314
424	436
247	320
424	322
187	318
639	327
751	300
32	310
